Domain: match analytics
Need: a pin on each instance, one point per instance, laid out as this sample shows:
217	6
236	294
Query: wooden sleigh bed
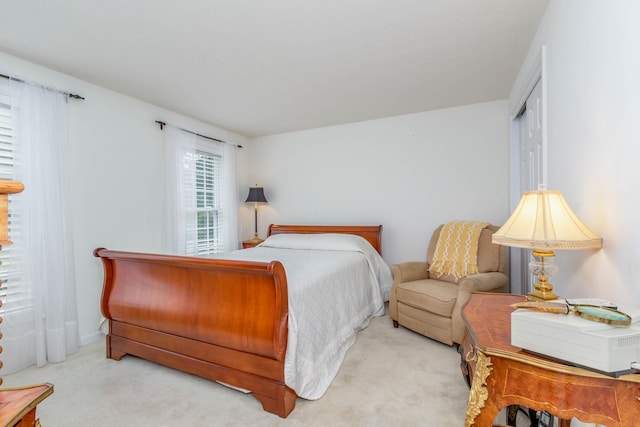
221	319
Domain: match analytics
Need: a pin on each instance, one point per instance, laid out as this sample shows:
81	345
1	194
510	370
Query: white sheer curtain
180	169
42	325
230	198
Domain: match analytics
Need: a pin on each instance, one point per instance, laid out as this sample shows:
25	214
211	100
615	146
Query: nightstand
503	375
19	404
251	243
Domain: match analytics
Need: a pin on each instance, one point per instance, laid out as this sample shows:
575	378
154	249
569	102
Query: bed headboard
372	233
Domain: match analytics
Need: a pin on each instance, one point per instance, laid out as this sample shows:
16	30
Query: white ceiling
261	67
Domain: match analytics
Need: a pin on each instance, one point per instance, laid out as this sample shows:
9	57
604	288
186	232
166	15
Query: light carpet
390	377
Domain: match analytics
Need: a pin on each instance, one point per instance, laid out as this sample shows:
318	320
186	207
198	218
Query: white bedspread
337	283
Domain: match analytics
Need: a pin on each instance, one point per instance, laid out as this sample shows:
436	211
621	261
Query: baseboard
90	339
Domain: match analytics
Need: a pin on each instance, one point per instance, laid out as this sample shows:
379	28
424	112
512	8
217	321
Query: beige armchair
432	306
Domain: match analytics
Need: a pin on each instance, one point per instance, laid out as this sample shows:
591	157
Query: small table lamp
543	221
256	196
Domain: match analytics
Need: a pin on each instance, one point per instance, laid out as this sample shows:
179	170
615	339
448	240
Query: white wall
117	175
593	69
409	173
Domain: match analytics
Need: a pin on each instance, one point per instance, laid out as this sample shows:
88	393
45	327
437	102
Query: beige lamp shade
544	220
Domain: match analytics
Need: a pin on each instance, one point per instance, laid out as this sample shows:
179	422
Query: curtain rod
69	94
163	124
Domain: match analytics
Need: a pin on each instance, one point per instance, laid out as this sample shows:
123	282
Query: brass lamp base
255	239
537	294
543	290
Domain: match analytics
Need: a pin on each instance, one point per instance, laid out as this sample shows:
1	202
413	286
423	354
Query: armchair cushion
430	295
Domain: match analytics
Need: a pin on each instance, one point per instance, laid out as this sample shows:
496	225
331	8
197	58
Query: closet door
532	167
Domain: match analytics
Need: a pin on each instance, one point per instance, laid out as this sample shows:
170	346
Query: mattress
337	283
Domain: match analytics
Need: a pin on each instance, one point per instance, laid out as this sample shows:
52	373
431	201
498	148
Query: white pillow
323	241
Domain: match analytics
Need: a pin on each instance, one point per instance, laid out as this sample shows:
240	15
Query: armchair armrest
409	271
483	282
404	272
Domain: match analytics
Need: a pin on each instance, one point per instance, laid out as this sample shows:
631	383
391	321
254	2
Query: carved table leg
479	393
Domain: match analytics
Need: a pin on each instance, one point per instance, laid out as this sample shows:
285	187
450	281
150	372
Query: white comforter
337	283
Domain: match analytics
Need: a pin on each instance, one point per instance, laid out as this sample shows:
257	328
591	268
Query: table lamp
256	196
543	221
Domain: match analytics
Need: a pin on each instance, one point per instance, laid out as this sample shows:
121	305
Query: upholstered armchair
432	305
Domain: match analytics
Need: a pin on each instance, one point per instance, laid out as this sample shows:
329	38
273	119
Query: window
10	273
200	194
204	225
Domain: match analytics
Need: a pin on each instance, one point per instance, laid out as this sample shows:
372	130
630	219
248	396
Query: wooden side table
503	375
251	243
18	405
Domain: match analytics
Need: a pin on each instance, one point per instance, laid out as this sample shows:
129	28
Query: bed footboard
224	320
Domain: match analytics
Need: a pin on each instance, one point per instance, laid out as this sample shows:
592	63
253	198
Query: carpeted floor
390	377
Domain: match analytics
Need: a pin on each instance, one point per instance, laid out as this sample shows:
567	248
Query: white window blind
203	191
11	271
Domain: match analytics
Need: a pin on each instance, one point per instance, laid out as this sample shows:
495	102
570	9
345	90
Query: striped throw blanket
456	252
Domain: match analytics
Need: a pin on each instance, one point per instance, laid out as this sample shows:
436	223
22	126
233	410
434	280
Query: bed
275	320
